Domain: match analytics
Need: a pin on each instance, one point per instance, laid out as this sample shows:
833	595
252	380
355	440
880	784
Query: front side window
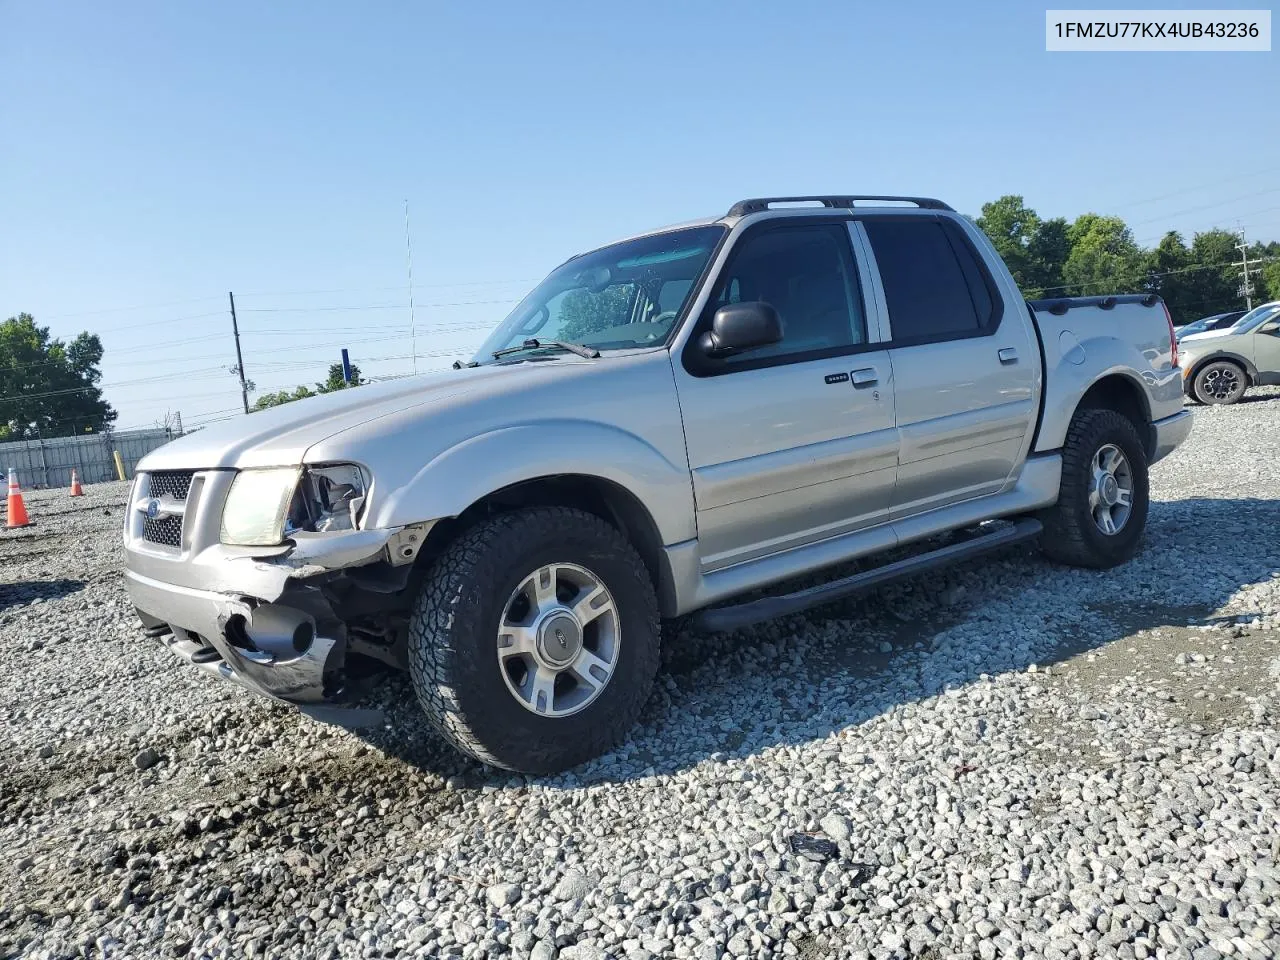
622	296
807	274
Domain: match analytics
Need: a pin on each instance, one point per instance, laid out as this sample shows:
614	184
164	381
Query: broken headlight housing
256	506
264	507
328	499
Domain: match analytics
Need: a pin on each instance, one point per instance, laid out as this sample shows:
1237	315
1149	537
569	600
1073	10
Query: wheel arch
1243	362
1125	395
605	498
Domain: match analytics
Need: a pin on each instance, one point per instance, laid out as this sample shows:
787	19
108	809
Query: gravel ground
1009	760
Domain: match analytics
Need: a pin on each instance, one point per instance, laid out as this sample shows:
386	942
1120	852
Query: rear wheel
534	642
1220	382
1102	505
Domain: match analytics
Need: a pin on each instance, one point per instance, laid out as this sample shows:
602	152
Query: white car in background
1219	365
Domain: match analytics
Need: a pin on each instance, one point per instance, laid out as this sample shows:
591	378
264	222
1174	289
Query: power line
1151	276
159	323
153	306
416	286
371	306
188	375
1214	183
1206	206
413	330
366	328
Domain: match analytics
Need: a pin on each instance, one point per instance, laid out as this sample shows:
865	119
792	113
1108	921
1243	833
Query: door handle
1008	355
865	377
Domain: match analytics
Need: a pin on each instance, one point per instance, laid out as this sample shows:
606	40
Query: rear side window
933	285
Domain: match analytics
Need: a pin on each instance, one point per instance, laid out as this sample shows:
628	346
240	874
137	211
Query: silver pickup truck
663	426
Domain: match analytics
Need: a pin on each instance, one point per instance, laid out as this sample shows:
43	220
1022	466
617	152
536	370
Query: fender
1071	373
471	470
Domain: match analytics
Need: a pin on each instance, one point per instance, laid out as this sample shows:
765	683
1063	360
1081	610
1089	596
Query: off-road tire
1070	534
453	638
1203	396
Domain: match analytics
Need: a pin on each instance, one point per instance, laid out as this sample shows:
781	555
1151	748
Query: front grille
166	530
167	483
173	483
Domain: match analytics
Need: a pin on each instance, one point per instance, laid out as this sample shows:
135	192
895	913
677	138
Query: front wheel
534	642
1219	382
1102	505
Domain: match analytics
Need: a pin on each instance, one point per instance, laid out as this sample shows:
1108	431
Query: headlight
329	499
257	505
266	506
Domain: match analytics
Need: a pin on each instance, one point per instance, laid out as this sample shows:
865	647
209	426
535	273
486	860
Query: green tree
1213	275
584	312
1010	225
283	396
1104	257
1169	276
1047	252
335	382
1270	275
48	388
331	384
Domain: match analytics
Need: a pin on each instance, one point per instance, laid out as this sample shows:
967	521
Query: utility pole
413	332
235	328
1245	263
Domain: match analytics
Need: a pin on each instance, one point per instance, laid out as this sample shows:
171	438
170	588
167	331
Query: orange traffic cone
76	489
17	509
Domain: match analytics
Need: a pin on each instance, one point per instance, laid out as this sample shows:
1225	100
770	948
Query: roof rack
743	207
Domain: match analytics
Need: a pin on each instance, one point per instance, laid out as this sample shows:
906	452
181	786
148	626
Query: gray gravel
1012	759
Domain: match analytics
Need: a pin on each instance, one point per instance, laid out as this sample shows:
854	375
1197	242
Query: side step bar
720	619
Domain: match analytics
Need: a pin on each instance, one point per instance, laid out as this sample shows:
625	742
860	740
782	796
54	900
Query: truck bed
1117	335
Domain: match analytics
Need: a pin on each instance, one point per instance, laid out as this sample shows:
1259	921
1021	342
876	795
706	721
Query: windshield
618	297
1256	317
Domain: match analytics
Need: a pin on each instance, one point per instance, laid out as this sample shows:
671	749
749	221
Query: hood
280	436
1206	335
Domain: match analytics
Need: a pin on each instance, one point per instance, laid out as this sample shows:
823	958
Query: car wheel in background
1220	382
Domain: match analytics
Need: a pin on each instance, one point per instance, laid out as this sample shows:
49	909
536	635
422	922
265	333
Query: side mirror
741	326
1271	326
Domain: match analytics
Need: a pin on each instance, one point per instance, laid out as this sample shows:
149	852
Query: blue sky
155	155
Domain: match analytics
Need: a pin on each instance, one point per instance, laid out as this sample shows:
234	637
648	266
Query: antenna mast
413	330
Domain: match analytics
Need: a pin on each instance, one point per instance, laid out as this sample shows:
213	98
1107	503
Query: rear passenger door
793	442
964	371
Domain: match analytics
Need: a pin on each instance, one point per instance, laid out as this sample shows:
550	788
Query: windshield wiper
535	344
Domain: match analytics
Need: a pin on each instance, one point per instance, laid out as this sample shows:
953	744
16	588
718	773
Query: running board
720	619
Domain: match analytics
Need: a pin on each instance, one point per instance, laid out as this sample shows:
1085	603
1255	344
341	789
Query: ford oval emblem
153	508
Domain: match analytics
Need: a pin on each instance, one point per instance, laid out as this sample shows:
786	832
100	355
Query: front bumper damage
266	618
278	649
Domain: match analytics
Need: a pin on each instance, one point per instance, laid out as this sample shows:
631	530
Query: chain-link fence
48	463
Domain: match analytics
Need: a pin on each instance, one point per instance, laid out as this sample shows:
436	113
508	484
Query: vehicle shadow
18	594
802	678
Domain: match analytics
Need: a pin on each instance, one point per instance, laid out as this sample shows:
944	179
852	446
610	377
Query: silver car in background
1219	365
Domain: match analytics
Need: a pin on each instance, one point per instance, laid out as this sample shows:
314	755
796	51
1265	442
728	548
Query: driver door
793	442
1266	351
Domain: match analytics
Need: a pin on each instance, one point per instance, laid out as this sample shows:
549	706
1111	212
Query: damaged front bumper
260	616
275	649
